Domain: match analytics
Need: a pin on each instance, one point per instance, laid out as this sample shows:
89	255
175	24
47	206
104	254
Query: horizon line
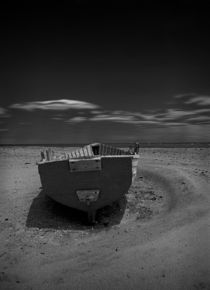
145	143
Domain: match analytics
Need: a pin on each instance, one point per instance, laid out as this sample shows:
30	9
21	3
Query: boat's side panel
113	181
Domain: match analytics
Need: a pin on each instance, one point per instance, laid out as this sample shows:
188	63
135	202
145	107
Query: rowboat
88	178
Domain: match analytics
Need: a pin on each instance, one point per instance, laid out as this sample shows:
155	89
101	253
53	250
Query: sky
87	73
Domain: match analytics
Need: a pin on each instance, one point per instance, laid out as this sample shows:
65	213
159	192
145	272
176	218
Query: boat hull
111	179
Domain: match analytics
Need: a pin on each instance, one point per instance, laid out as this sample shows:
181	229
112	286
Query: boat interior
97	149
89	151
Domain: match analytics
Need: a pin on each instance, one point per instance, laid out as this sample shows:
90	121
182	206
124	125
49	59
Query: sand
157	237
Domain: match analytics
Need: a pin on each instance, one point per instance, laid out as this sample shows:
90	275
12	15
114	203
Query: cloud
96	112
114	118
57	118
125	117
193	98
200	100
3	113
56	105
77	119
200	118
185	109
174	114
148	122
138	115
186	95
169	117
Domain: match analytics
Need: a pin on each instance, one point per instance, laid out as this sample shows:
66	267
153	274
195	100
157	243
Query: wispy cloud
55	105
180	114
96	112
3	113
200	100
139	115
57	118
184	96
77	119
168	117
185	109
175	114
123	117
200	118
114	118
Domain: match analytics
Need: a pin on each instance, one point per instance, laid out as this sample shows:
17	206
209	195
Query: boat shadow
46	213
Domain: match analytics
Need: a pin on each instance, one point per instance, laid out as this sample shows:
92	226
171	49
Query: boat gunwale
136	156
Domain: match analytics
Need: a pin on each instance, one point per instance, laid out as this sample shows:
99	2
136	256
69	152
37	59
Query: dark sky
85	73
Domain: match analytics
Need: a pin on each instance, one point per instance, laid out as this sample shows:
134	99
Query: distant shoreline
142	145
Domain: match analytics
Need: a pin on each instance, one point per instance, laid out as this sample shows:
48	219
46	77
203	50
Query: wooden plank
113	151
109	150
90	152
80	153
85	152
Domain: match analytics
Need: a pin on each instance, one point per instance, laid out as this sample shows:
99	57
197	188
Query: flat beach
157	237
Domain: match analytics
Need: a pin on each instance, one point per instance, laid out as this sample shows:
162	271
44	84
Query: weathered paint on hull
113	181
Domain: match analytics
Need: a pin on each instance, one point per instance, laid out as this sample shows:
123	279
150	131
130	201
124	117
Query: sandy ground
157	237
